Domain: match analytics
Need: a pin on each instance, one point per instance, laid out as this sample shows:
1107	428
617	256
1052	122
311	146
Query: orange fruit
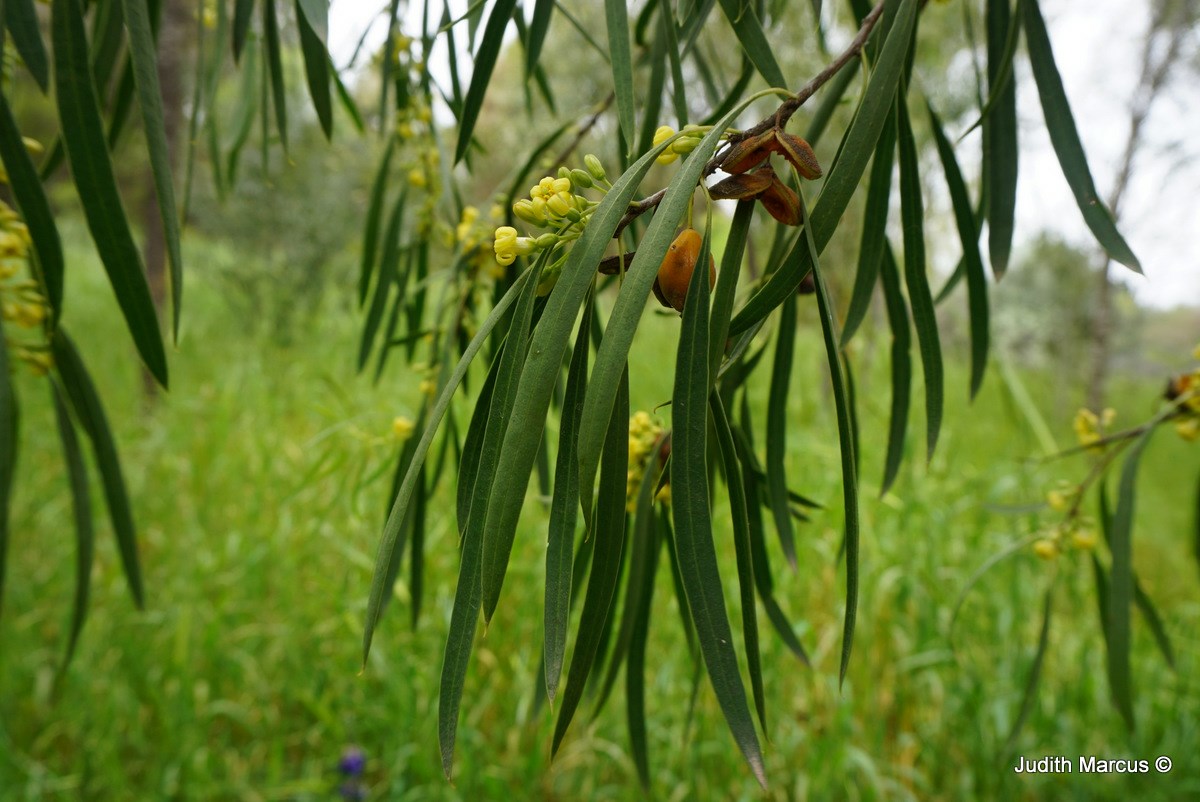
675	272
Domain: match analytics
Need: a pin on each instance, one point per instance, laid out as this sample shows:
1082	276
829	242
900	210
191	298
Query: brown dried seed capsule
799	153
749	152
782	202
742	186
675	272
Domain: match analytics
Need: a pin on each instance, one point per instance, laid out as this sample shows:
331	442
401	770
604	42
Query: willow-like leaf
616	18
388	271
92	169
742	553
564	510
485	62
897	313
87	407
31	199
1064	136
468	464
543	10
81	507
1121	592
635	666
243	12
999	116
143	55
874	233
777	400
693	523
968	235
609	536
275	68
1035	671
844	177
310	16
675	59
370	241
749	31
912	217
465	613
21	20
727	281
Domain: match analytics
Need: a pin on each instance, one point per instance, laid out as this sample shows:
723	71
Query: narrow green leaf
347	101
748	28
242	13
742	553
468	465
20	17
777	401
388	272
631	304
912	217
844	177
87	407
897	314
609	536
845	418
693	523
275	68
404	495
564	508
247	109
485	62
1064	136
874	233
635	667
31	199
616	19
543	10
143	55
544	365
465	613
968	234
310	17
81	506
727	280
671	42
1000	151
370	242
83	134
1121	591
9	420
316	14
1035	672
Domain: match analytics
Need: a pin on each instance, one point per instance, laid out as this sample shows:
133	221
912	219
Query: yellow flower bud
416	177
402	427
427	387
1084	539
560	203
1046	549
1189	428
596	169
562	185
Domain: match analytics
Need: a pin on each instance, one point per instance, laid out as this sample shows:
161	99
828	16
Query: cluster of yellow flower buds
551	203
644	434
1073	533
1090	427
21	300
1062	496
1184	392
692	134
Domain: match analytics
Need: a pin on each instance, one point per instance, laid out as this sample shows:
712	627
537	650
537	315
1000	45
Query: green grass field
259	486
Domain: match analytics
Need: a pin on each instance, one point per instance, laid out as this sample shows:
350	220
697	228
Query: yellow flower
509	246
1189	429
402	427
427	387
416	177
1046	549
1087	427
1084	539
664	133
1059	499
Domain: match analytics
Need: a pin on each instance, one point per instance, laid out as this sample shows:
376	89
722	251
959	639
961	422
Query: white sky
1096	45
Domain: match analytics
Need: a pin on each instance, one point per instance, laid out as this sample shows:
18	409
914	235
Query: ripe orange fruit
675	272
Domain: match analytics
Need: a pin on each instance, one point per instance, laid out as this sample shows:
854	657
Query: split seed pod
742	186
799	153
675	272
782	202
749	152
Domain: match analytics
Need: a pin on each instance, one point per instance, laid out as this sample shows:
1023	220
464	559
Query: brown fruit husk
782	202
750	152
799	153
742	186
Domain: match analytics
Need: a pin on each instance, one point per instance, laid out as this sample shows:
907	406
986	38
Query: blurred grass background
259	486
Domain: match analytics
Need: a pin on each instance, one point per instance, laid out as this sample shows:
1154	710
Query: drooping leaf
91	167
564	508
694	547
777	401
1035	671
31	199
310	18
370	242
968	234
897	314
388	275
85	402
143	55
608	532
20	18
874	233
81	506
1000	149
543	10
485	62
912	216
749	31
727	280
617	20
242	13
275	68
1064	136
